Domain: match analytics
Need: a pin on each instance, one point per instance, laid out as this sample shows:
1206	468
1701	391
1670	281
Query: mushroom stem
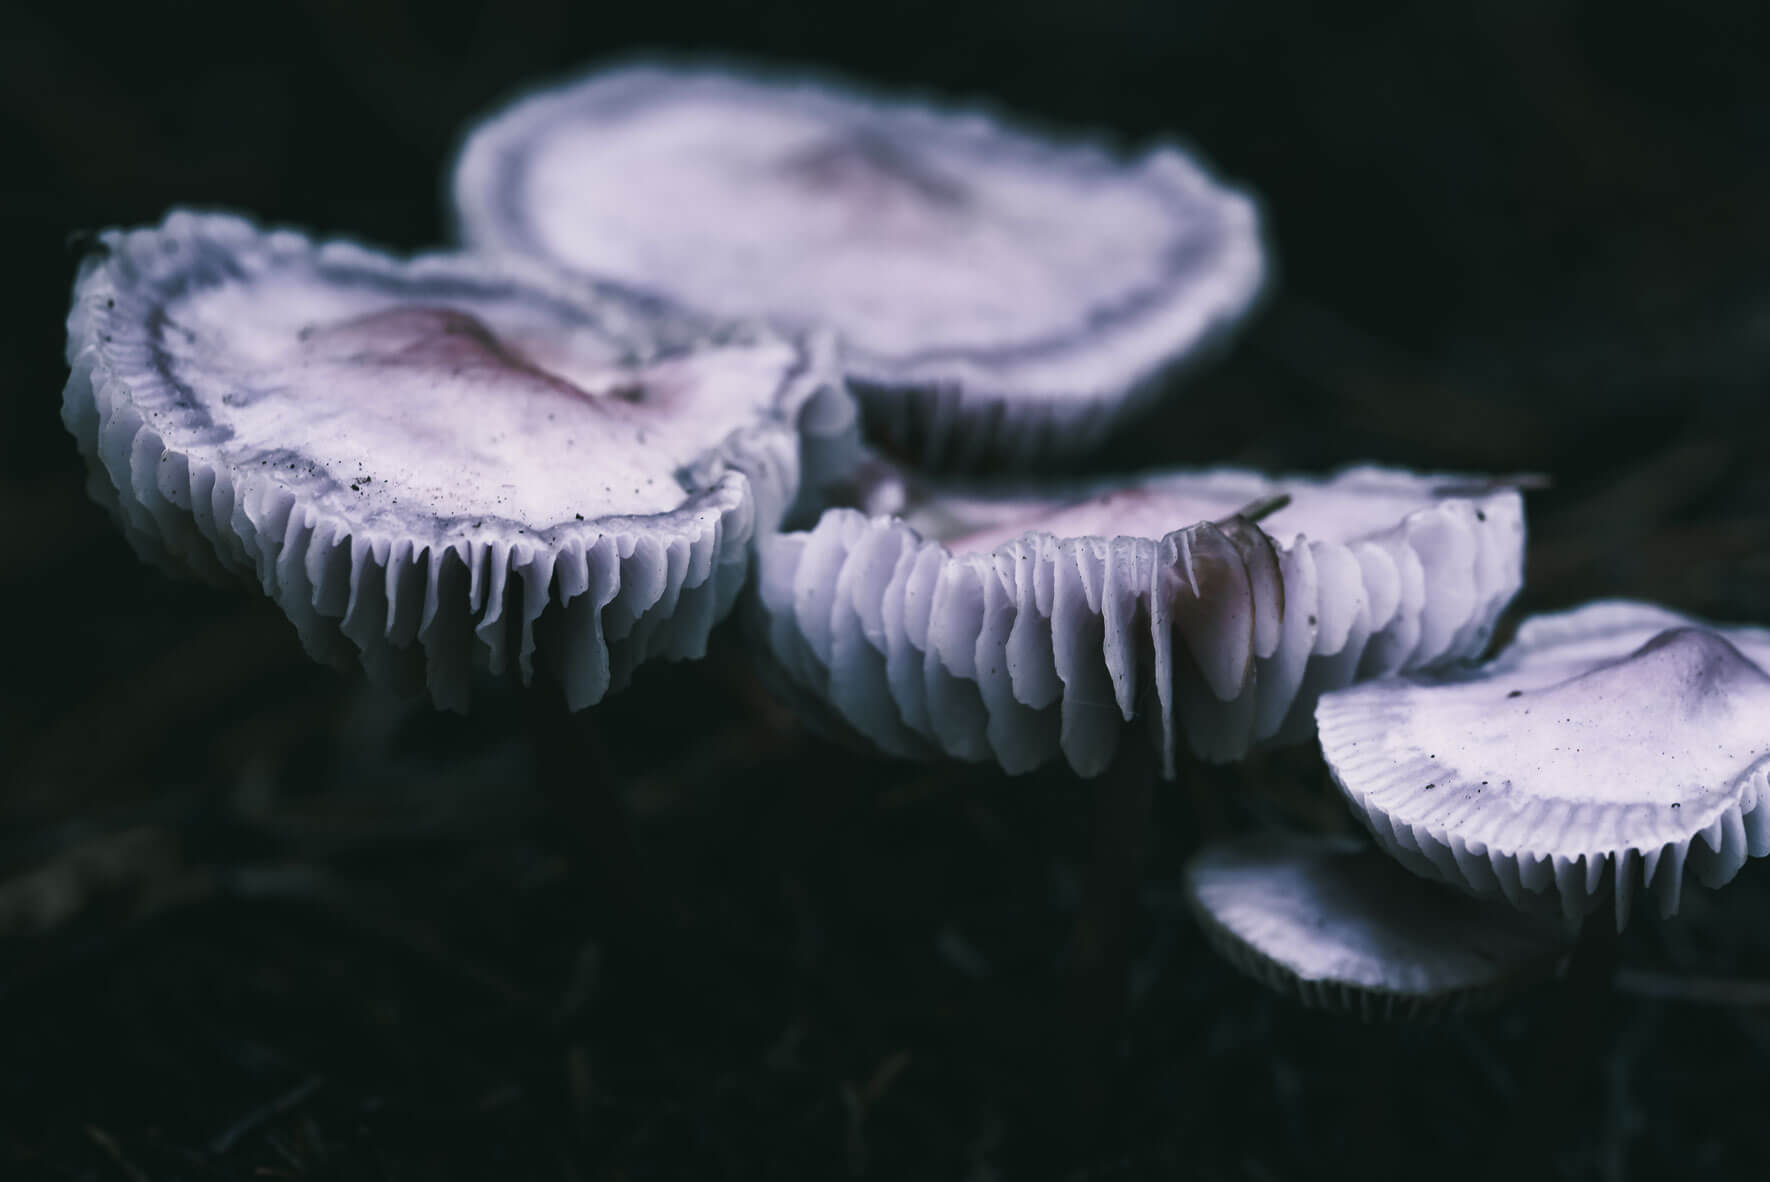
1573	1056
1592	966
1567	1084
1097	988
579	784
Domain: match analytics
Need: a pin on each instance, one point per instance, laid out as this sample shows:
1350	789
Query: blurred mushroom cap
1002	296
435	463
1607	749
1339	926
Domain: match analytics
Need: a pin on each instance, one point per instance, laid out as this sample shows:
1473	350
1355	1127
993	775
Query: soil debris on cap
1607	750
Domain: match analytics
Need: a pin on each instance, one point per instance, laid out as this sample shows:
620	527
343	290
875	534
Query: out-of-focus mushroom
1607	749
437	463
1011	625
1339	926
1002	296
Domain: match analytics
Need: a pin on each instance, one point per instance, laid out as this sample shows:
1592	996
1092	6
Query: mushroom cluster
641	385
1609	750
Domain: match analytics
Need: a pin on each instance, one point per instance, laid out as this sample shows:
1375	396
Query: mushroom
1606	749
439	462
1338	926
1010	625
1002	296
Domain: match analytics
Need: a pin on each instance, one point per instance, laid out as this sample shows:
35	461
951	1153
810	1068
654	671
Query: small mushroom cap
419	460
1338	926
1009	625
1002	296
1606	749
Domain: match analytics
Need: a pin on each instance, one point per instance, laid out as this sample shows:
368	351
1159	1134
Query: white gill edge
421	616
1524	872
1044	646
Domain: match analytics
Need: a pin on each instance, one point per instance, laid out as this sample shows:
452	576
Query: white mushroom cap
1010	626
1001	295
1339	926
1607	748
437	463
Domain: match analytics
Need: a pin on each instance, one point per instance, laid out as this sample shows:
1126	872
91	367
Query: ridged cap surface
1006	625
1606	750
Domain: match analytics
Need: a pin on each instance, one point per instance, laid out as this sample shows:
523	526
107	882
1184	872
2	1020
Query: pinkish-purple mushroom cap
1607	750
1015	625
1002	295
438	463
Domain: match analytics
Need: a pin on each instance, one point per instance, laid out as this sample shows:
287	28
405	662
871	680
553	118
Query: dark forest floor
258	920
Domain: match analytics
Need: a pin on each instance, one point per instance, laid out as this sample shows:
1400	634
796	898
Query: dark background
257	920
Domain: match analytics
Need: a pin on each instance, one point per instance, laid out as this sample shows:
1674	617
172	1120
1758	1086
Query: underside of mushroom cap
1339	926
1013	625
437	464
1002	297
1607	750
